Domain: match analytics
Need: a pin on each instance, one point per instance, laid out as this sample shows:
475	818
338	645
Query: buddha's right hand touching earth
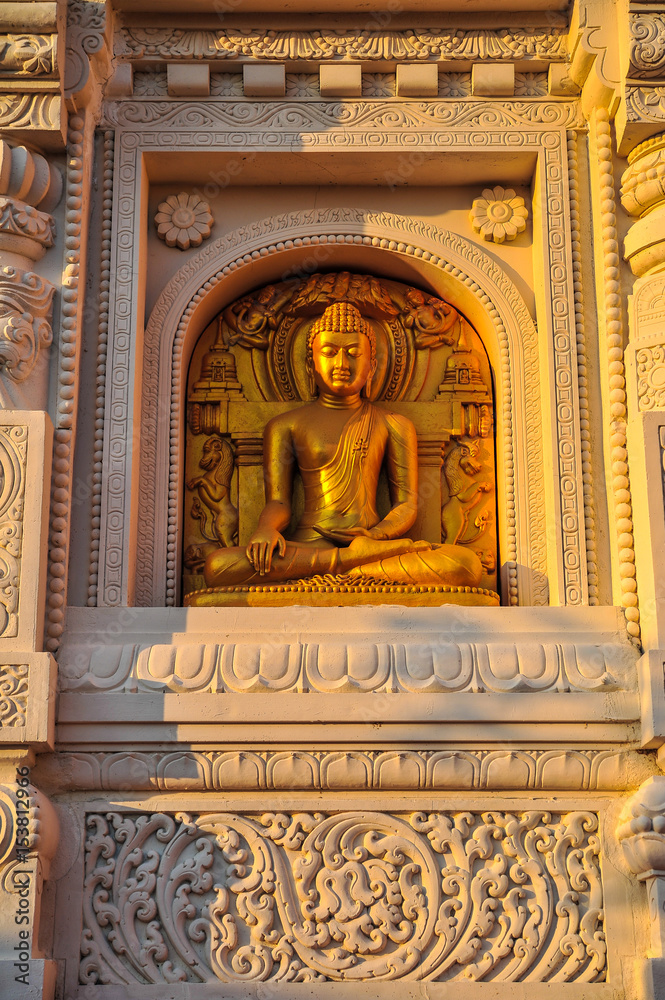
261	548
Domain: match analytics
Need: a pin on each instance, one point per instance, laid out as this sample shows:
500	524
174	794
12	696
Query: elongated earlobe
311	381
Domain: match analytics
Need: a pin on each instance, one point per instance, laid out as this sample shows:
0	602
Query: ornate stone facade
332	781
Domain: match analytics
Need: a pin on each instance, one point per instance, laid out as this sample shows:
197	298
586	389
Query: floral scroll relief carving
352	896
499	215
30	111
25	55
13	455
651	377
86	27
28	224
540	42
25	329
647	50
183	220
13	694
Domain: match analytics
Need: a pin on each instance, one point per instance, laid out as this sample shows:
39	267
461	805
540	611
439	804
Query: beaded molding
66	410
102	345
583	393
623	513
310	587
512	594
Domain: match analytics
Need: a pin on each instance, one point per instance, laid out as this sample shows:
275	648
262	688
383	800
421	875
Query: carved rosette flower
641	830
499	215
183	220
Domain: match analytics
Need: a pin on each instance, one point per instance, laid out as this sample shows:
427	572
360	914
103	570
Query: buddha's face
342	362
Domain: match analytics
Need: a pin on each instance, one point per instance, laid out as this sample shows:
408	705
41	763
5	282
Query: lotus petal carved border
326	770
342	897
319	116
329	668
546	41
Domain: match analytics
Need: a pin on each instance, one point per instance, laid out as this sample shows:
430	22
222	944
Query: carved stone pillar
28	839
249	465
643	197
430	460
641	834
29	188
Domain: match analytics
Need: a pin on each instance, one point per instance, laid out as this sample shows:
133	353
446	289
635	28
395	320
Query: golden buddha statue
339	444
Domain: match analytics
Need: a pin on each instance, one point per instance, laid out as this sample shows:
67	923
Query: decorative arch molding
300	242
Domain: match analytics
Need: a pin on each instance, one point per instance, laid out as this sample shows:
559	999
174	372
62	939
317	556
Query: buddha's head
341	352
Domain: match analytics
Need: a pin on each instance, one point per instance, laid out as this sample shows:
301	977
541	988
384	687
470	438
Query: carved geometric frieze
342	897
537	43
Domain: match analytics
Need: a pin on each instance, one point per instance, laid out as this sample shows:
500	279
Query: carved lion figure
213	507
461	469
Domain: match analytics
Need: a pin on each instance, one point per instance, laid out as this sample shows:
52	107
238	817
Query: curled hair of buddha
340	317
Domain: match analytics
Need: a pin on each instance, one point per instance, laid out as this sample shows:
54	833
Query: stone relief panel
13	456
342	897
13	694
431	368
647	47
28	55
25	328
541	42
651	377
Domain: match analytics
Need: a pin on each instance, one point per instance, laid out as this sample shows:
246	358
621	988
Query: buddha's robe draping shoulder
342	492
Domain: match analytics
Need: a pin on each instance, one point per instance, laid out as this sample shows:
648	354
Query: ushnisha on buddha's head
341	353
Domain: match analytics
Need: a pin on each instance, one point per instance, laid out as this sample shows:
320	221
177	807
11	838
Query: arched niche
412	252
248	366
